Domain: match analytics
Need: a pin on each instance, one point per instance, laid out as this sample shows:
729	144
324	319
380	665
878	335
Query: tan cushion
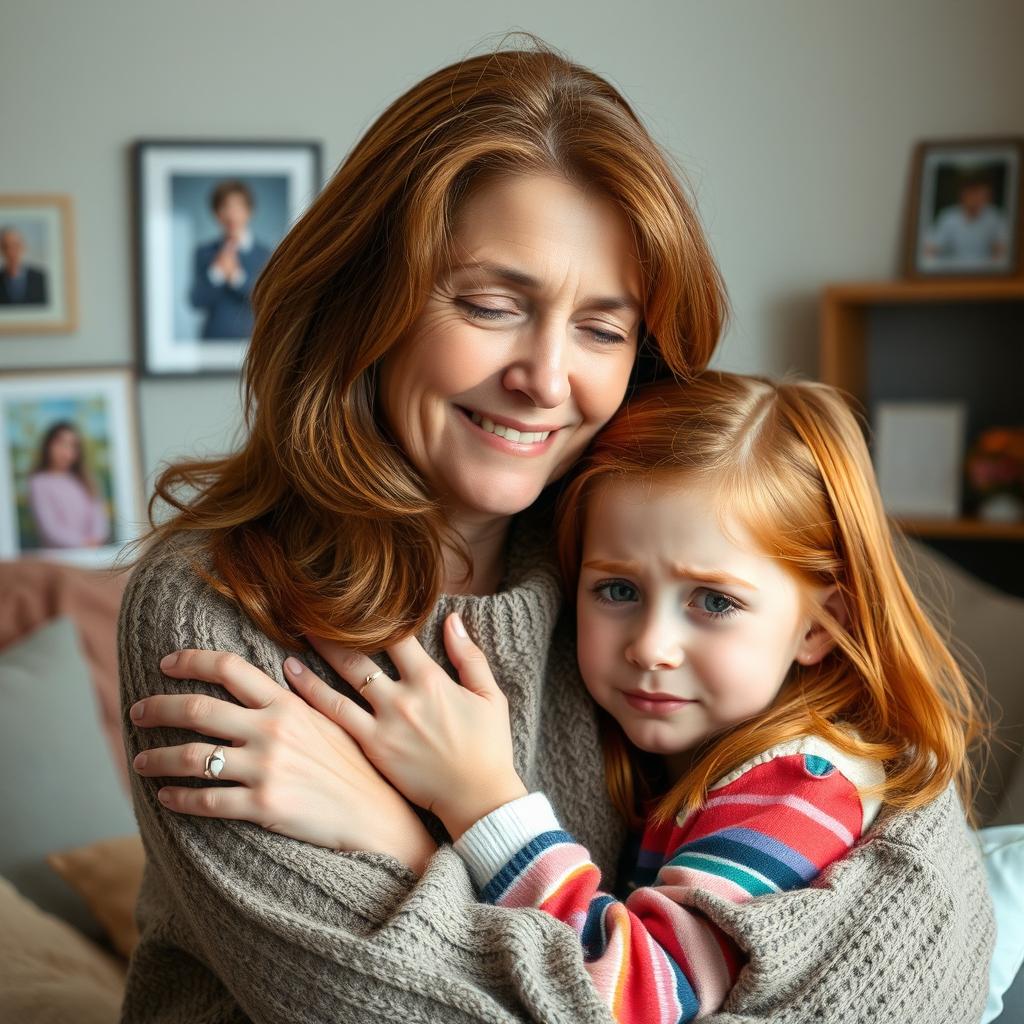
107	875
52	974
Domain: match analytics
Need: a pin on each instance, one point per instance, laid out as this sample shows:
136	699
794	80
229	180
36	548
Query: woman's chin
498	498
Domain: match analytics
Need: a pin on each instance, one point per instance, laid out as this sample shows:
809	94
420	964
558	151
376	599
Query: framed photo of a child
965	209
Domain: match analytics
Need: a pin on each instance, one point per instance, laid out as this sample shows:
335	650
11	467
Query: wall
794	118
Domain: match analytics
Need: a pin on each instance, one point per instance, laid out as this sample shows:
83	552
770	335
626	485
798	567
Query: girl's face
63	450
540	342
682	630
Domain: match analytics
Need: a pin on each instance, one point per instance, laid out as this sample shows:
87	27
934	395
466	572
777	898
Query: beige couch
53	970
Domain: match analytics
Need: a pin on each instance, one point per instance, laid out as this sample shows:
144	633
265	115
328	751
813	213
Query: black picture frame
191	322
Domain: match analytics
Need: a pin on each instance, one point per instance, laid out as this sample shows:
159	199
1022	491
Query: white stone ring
214	763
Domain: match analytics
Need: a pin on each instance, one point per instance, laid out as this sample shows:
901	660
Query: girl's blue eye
489	313
615	592
716	605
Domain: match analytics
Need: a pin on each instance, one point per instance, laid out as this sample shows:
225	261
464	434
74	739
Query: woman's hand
446	747
300	774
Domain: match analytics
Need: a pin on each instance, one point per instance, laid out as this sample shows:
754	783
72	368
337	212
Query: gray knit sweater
239	923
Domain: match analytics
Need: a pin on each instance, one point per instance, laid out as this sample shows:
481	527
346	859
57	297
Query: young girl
765	675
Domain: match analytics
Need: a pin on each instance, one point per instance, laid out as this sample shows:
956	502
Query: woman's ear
817	641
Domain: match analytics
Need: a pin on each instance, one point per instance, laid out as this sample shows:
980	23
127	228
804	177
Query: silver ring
369	679
214	763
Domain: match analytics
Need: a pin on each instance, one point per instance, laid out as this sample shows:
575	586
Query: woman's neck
485	539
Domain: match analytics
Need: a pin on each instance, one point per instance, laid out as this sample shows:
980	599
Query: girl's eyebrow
711	576
681	571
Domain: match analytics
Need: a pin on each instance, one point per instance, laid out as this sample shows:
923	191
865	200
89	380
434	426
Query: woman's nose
541	369
655	647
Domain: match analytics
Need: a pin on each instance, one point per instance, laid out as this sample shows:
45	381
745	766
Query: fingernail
293	665
140	761
168	660
138	710
460	629
163	796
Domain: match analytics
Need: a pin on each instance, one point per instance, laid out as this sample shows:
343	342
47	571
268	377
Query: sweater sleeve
238	922
652	958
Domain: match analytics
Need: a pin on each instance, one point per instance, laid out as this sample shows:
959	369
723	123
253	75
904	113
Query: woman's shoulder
167	592
168	605
171	561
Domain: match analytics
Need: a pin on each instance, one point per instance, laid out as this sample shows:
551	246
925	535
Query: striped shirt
769	826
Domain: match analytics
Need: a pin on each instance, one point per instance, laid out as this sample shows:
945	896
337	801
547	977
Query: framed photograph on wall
38	292
919	457
965	214
69	464
207	217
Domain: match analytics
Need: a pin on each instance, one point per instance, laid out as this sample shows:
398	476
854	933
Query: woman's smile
503	437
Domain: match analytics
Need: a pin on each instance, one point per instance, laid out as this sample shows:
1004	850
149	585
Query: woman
504	251
66	508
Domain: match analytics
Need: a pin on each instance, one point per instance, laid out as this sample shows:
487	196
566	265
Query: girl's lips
659	706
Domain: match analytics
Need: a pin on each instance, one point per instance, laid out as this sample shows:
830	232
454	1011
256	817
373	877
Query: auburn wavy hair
319	523
789	460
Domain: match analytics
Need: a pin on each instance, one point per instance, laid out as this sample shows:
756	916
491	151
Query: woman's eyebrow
521	278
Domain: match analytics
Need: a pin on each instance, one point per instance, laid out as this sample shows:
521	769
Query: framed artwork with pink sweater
69	464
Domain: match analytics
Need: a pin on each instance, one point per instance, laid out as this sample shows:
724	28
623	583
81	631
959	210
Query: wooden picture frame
965	217
193	201
37	234
70	463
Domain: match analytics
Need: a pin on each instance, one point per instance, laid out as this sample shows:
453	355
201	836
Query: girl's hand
300	774
447	747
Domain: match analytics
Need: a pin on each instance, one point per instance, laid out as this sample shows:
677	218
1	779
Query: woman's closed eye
491	313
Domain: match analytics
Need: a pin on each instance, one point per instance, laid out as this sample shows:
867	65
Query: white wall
795	119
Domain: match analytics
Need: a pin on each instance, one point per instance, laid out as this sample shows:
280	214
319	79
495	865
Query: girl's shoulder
818	759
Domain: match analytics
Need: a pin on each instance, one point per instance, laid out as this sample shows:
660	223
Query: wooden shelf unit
966	528
844	353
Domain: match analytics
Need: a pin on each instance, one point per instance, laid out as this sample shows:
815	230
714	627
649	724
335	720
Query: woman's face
63	450
494	402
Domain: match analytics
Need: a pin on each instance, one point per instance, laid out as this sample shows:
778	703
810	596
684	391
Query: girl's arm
650	957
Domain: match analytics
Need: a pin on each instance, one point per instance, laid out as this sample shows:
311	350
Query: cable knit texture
238	923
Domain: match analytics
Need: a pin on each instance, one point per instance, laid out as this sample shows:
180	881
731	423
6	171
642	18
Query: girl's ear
817	642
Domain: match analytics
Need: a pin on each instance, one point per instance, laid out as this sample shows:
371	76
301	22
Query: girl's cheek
731	668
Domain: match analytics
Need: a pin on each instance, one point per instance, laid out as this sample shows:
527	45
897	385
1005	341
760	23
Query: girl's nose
656	647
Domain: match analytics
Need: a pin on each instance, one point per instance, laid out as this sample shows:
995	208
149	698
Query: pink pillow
33	592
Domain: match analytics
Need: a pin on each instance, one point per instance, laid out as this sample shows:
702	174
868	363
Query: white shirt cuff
490	843
217	277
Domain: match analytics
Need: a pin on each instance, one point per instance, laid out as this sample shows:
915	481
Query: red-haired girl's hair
790	461
320	523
